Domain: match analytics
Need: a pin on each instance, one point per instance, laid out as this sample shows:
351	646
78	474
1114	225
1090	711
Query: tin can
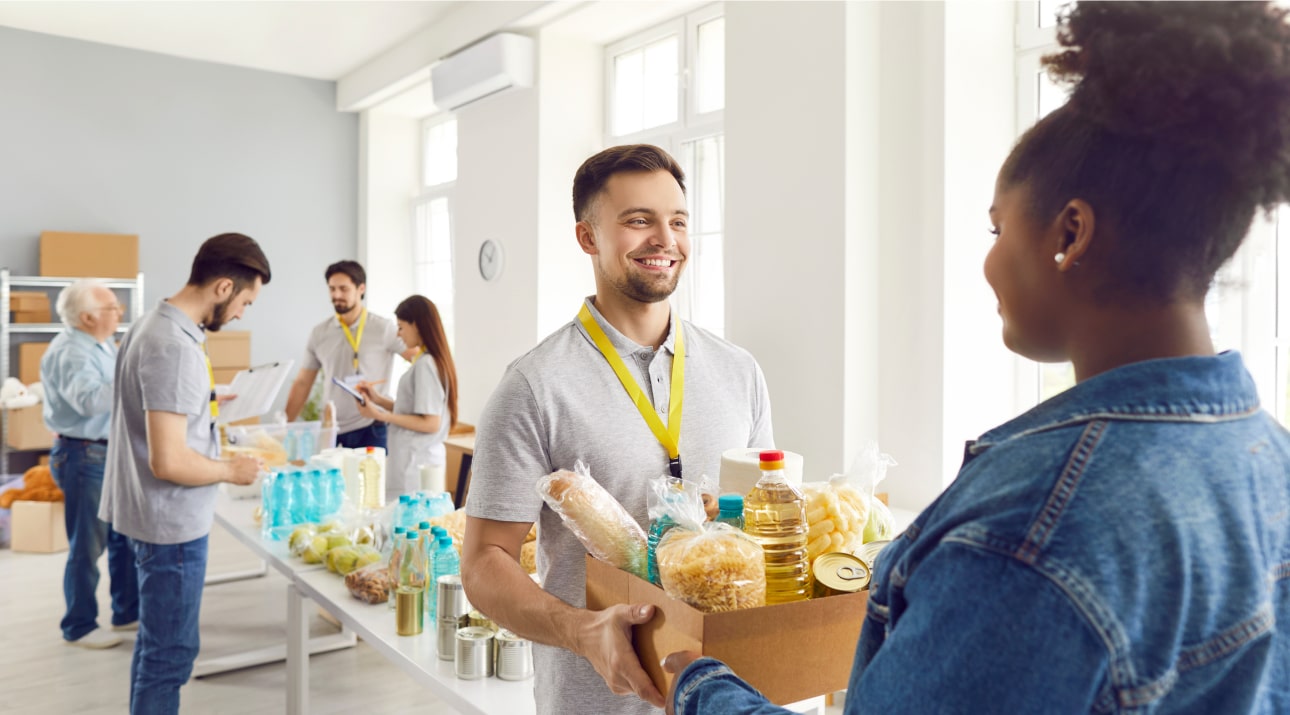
838	573
514	656
477	619
447	636
409	611
474	651
451	599
868	553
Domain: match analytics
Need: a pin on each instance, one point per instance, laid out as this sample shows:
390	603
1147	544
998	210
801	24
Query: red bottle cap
772	455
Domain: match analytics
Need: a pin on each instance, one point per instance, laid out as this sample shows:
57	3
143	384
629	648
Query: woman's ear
1075	233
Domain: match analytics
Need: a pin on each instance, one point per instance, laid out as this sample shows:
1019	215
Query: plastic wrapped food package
836	513
715	569
603	526
369	584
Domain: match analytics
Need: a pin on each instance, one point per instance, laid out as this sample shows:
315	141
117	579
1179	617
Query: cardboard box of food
99	255
229	349
27	428
789	651
29	355
37	527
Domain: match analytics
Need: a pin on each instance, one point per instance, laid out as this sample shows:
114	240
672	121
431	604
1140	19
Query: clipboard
357	395
256	389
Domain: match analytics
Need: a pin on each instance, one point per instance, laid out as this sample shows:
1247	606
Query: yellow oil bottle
775	516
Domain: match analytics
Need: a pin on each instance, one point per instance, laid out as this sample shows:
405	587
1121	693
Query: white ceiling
322	40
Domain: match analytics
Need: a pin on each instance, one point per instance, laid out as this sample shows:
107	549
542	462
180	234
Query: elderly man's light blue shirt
77	373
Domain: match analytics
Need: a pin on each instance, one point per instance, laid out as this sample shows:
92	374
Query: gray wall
106	140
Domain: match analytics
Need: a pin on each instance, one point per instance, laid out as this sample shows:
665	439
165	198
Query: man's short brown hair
595	172
230	255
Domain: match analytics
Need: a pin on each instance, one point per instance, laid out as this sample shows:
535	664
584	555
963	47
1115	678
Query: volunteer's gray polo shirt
328	349
161	367
561	403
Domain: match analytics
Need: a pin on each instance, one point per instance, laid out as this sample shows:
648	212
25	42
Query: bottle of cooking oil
371	481
775	516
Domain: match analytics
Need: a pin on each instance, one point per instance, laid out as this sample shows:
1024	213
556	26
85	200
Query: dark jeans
373	435
171	577
77	467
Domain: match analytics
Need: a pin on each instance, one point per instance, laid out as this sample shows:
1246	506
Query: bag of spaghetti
712	566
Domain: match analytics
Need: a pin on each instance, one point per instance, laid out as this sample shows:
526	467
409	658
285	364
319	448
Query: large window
1248	307
666	86
432	217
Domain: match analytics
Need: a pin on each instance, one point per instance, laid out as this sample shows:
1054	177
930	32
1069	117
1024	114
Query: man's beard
646	288
341	308
219	316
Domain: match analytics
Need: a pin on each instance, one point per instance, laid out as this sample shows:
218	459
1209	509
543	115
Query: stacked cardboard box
27	428
37	527
230	353
29	355
29	307
96	255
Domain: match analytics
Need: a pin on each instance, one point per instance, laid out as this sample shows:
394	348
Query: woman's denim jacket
1121	548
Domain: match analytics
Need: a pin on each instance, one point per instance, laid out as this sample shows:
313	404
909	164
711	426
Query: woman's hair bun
1208	82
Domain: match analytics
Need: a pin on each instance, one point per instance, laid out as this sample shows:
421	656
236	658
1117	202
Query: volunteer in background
427	395
163	463
77	373
563	402
353	346
1124	546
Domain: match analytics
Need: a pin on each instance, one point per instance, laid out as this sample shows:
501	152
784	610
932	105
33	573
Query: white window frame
424	196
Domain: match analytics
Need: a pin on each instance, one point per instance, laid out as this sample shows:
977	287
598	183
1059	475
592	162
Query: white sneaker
97	639
131	626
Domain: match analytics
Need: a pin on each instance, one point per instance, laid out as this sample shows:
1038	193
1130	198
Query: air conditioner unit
490	66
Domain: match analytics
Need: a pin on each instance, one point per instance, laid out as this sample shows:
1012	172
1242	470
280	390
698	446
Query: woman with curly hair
1123	547
425	407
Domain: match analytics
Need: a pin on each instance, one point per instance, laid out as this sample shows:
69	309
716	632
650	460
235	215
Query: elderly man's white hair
78	298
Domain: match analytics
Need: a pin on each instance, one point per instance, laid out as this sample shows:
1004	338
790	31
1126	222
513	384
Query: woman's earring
1059	257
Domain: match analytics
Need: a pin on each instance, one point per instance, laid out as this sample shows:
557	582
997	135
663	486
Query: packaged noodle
603	526
711	566
842	513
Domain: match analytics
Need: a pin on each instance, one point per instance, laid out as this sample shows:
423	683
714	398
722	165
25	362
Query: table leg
297	653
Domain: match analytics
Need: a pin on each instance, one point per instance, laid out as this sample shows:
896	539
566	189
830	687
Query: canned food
409	611
514	656
451	599
838	573
474	653
868	553
447	636
477	619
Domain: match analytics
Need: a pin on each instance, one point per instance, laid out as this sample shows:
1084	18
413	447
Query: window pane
629	91
701	296
1049	11
710	92
440	160
661	87
1055	378
432	256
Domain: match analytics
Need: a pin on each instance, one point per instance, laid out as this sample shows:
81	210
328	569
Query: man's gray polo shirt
329	350
562	403
161	367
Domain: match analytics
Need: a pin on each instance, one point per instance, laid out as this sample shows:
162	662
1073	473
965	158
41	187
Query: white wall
389	166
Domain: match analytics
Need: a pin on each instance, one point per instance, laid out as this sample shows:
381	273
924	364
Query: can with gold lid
868	553
838	573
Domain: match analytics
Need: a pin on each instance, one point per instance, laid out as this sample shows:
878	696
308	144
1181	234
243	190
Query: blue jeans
77	468
171	577
373	435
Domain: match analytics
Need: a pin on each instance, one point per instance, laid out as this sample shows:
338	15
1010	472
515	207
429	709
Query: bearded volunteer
163	460
568	400
353	346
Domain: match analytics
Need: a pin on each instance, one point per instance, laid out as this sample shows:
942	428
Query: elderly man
77	373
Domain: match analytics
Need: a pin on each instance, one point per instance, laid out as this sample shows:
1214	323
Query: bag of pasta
842	513
711	566
604	527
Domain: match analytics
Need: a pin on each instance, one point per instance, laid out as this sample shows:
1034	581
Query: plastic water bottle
657	529
281	492
335	491
266	506
289	444
317	491
442	504
299	496
732	510
305	445
446	562
401	511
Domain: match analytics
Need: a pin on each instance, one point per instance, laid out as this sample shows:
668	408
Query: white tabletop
238	517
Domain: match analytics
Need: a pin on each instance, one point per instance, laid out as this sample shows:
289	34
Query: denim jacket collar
1187	389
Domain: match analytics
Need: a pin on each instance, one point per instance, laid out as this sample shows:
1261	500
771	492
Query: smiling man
564	402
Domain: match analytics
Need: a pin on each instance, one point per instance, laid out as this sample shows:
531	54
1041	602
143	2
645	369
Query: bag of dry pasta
711	566
842	513
603	525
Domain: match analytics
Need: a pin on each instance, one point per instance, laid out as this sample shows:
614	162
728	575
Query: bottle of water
657	529
299	497
266	506
305	445
317	491
289	444
446	563
281	493
401	515
732	510
335	491
443	504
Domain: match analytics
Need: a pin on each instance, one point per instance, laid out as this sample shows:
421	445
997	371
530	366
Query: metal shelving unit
8	282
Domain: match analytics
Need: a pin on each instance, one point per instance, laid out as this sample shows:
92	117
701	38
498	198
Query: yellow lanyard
354	341
210	372
420	352
669	436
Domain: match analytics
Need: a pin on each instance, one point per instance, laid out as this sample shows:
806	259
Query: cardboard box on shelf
229	349
37	527
29	355
29	307
789	651
99	255
27	428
